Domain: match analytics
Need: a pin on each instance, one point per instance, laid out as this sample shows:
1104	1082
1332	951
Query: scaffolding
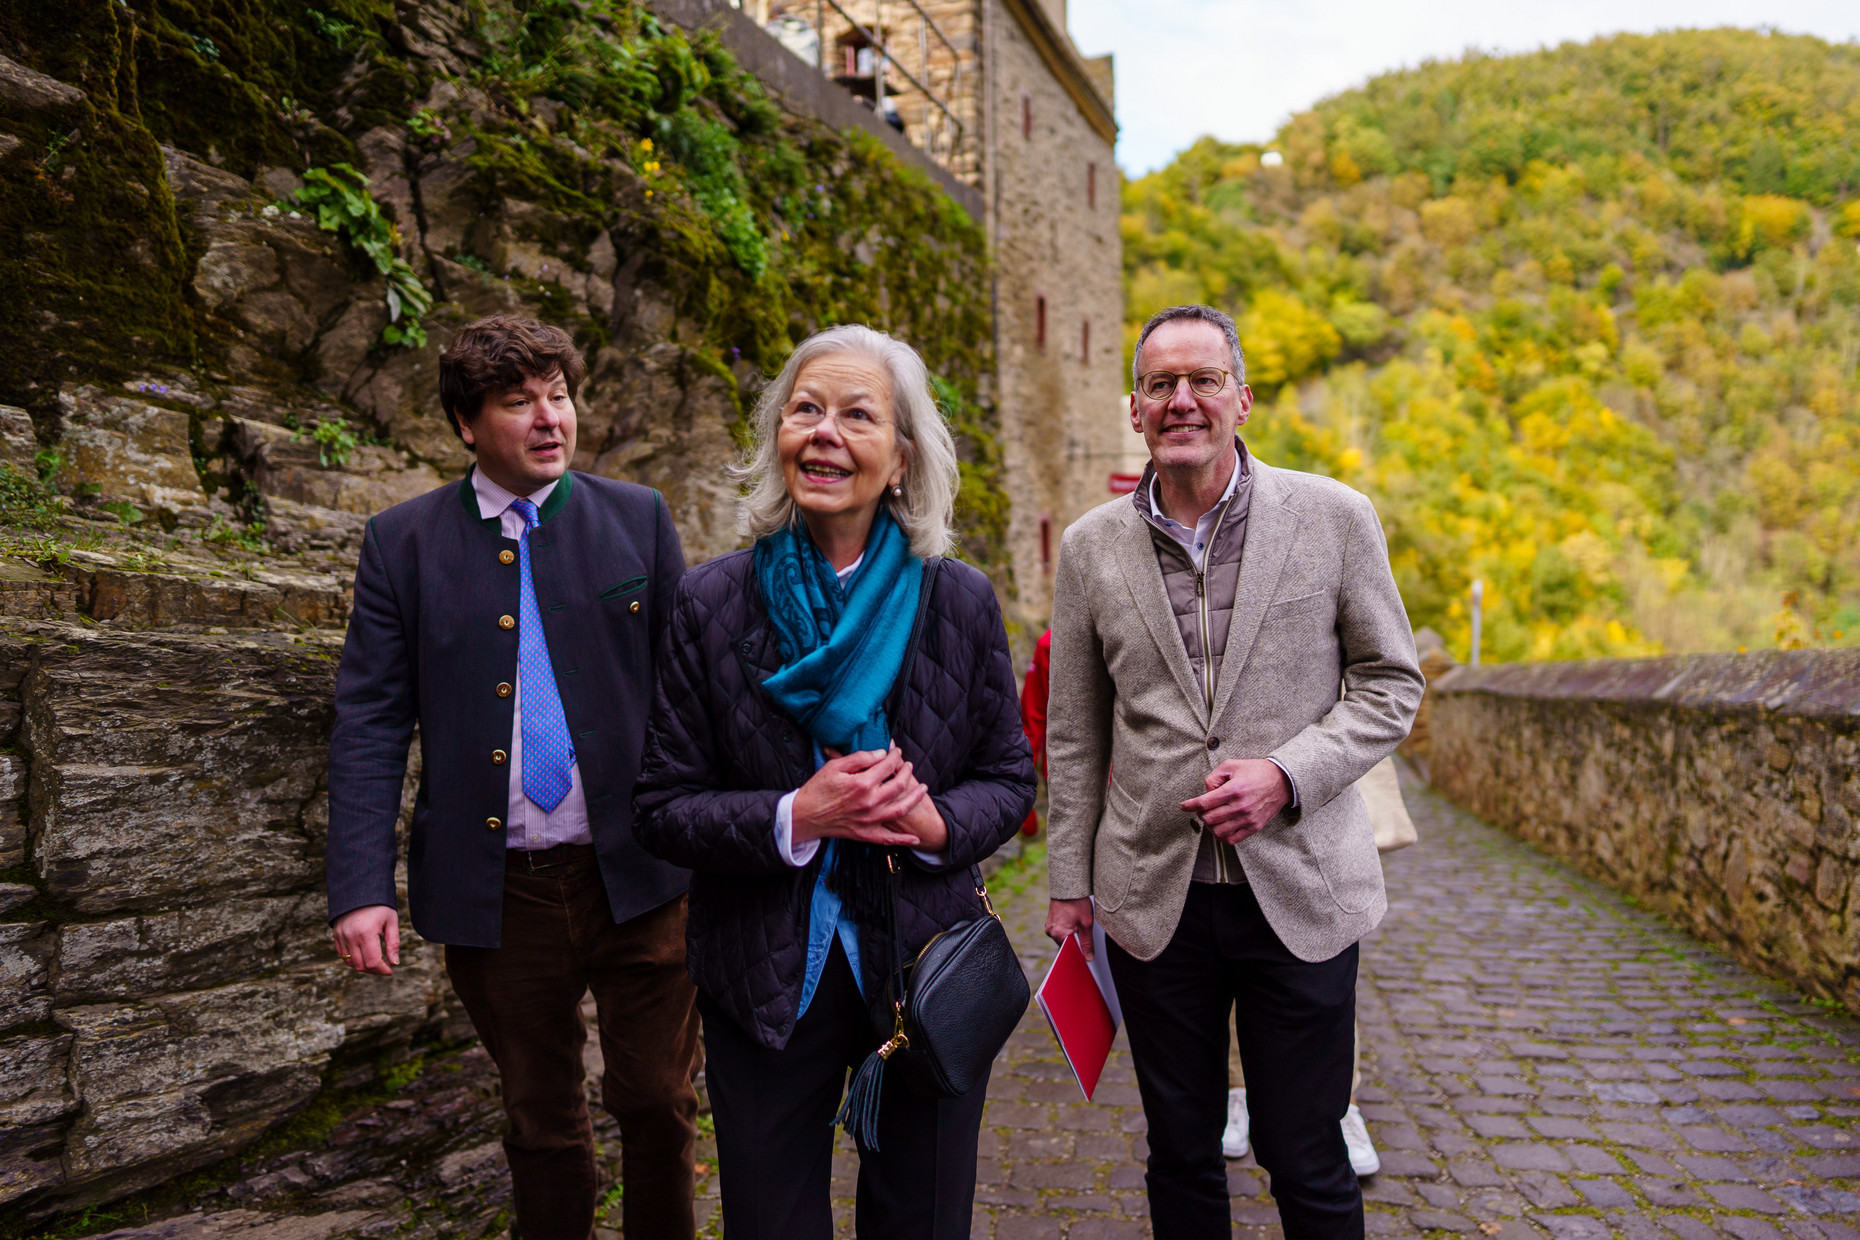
864	54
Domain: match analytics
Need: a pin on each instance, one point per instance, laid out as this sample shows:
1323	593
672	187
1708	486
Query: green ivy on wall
769	228
763	226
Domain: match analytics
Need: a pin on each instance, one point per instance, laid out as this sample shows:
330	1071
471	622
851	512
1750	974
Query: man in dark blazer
513	618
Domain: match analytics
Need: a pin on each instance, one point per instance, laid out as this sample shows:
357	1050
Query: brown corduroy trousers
524	999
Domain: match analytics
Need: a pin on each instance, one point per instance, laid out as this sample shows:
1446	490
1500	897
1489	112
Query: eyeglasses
1160	384
854	421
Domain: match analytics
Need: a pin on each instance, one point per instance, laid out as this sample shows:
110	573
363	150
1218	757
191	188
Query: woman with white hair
835	707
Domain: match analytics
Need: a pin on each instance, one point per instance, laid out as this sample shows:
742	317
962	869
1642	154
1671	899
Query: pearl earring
897	491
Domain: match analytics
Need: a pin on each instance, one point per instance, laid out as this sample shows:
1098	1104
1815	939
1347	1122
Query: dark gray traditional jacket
425	646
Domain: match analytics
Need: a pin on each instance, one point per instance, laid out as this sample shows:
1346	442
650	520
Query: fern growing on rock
339	199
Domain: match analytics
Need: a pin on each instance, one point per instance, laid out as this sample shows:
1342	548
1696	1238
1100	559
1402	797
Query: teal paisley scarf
842	646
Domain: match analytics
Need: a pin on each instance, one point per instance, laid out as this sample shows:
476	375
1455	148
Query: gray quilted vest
1201	595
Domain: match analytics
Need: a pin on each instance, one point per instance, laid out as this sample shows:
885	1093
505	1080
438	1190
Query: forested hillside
1584	323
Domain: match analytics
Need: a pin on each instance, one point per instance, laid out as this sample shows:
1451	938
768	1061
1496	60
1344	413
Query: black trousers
774	1115
1295	1023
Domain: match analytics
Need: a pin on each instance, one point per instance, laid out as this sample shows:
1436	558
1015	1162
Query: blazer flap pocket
628	586
1304	604
1118	797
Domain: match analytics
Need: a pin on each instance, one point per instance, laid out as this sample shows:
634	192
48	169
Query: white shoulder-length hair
927	508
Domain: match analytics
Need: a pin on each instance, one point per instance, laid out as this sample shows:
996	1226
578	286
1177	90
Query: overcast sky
1238	68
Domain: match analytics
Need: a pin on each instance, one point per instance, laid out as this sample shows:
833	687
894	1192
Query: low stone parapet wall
1721	790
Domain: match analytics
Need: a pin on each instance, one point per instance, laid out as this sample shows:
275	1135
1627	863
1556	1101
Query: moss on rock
90	243
585	151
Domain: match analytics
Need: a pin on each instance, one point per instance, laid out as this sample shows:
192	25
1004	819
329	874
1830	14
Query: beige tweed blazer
1130	735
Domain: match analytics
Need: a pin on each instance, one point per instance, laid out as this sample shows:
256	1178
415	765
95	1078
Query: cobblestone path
1540	1059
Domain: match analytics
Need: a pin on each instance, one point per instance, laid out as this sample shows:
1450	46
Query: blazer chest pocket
632	585
1320	604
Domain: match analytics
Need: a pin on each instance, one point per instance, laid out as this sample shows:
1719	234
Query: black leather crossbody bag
961	999
952	1011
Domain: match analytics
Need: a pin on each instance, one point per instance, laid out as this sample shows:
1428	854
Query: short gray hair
927	509
1200	314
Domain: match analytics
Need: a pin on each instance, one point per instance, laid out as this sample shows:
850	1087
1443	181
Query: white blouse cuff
784	835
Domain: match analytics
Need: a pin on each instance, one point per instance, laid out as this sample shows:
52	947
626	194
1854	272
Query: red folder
1081	1005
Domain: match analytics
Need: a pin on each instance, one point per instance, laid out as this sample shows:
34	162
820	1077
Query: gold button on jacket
498	757
506	622
506	557
633	607
503	690
495	824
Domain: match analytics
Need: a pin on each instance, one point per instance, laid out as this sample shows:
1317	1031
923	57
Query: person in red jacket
1033	715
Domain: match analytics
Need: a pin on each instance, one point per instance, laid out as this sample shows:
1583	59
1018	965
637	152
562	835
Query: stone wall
684	269
169	992
176	547
1721	790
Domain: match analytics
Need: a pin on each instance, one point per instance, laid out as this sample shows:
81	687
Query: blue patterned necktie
548	755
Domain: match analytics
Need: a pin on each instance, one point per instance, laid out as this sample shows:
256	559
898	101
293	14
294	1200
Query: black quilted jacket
720	754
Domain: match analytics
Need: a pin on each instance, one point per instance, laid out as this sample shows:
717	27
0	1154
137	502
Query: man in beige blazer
1201	763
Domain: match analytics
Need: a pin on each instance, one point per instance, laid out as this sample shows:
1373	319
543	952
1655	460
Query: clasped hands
871	796
1244	794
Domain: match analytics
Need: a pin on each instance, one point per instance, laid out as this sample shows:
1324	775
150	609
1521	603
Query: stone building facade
997	95
1052	189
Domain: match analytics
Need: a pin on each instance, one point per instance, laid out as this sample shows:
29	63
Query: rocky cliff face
187	316
168	992
205	393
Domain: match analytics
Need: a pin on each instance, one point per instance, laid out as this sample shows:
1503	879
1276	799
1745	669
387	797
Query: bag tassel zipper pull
859	1112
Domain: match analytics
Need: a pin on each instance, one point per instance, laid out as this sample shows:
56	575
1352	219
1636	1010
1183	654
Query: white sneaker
1363	1158
1239	1125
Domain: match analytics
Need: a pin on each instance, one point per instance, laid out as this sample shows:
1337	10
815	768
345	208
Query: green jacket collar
551	506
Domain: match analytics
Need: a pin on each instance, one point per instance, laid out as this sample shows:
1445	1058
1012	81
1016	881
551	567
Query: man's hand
863	796
360	935
1244	794
1065	917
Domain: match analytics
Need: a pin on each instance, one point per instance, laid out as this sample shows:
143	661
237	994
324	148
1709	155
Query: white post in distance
1478	610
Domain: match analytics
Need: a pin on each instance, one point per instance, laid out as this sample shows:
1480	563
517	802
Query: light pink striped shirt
528	827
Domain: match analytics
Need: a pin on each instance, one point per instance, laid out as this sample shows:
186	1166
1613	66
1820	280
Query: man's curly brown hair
501	352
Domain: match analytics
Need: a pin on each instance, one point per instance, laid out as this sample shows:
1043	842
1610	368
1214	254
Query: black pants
774	1114
1295	1026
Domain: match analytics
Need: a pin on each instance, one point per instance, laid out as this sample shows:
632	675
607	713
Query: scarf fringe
858	879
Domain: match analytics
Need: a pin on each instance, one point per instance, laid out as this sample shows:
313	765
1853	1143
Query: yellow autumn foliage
1583	324
1285	340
